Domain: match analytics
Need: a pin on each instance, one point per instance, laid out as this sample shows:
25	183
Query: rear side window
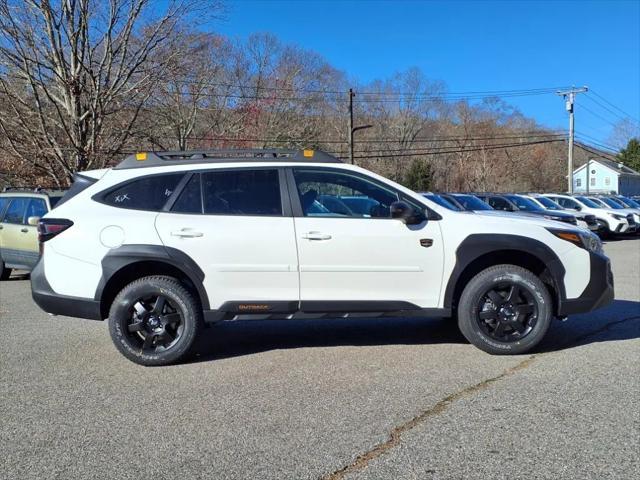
37	208
190	199
17	208
147	193
241	192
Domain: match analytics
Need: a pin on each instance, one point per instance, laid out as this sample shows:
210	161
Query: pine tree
630	156
419	177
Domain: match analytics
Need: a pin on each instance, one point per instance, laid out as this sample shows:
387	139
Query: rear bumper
56	304
599	291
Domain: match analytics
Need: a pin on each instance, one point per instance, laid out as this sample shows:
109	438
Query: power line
474	93
598	116
308	141
601	105
475	149
612	105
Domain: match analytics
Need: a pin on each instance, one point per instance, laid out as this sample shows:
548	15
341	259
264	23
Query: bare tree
75	74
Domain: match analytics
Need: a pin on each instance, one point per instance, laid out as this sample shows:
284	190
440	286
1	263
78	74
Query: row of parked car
607	215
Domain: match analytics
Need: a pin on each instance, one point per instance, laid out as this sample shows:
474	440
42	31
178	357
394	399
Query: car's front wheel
505	310
154	321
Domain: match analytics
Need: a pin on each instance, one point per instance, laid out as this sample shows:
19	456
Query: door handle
316	236
24	230
186	233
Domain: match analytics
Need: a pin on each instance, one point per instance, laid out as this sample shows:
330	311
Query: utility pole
570	96
351	94
353	129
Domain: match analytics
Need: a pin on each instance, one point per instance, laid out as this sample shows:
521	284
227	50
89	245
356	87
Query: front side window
4	201
241	192
147	193
16	210
326	193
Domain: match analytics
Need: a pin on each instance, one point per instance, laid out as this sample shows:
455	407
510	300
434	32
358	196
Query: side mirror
577	208
403	211
33	221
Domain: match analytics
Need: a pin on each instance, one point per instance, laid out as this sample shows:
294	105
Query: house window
579	182
592	181
607	181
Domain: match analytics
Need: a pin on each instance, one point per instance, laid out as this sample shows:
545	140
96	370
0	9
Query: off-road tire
469	313
186	305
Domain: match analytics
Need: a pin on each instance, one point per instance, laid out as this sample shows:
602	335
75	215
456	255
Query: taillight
50	227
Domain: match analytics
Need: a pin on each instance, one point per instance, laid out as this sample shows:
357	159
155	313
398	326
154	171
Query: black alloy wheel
507	312
155	324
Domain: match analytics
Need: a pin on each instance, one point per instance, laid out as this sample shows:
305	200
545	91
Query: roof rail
30	189
157	159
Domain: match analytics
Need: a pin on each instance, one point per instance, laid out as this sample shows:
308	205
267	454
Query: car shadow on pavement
618	321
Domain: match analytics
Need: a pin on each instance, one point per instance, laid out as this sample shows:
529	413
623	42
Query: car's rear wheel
154	321
5	272
505	310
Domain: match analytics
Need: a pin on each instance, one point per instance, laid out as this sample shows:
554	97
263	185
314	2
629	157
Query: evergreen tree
419	176
630	156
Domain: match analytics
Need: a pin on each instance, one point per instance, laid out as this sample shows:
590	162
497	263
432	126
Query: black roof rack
157	159
33	190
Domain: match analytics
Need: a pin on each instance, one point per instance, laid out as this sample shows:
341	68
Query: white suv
165	242
611	222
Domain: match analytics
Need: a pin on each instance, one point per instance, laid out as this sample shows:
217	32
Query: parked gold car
20	211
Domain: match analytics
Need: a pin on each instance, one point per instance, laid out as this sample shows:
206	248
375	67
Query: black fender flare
118	258
477	245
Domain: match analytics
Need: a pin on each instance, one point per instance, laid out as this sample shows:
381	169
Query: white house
606	176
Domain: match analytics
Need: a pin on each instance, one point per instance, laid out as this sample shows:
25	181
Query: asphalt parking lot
357	399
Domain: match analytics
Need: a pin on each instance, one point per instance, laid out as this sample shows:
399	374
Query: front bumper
599	291
56	304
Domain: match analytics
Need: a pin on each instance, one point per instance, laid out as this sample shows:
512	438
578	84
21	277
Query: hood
520	217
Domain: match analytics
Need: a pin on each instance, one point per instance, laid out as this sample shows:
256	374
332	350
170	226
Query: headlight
617	217
587	240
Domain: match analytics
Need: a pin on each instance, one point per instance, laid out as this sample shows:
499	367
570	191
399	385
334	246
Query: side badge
426	242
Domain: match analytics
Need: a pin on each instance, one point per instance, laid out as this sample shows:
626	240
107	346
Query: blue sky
471	46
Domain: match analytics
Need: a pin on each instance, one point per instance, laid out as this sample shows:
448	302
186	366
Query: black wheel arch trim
118	258
476	246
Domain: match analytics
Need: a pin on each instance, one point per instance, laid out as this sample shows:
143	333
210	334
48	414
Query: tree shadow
232	339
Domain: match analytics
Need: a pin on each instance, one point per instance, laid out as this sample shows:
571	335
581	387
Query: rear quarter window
147	193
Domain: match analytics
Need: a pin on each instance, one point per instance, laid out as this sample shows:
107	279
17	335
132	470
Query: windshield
443	202
611	203
469	202
524	203
589	203
548	203
632	203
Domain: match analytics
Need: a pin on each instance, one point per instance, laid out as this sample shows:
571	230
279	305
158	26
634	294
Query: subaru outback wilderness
166	242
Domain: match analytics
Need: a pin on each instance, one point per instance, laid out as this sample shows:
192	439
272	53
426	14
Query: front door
352	254
235	224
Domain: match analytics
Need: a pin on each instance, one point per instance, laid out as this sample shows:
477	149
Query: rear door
360	260
236	225
29	242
